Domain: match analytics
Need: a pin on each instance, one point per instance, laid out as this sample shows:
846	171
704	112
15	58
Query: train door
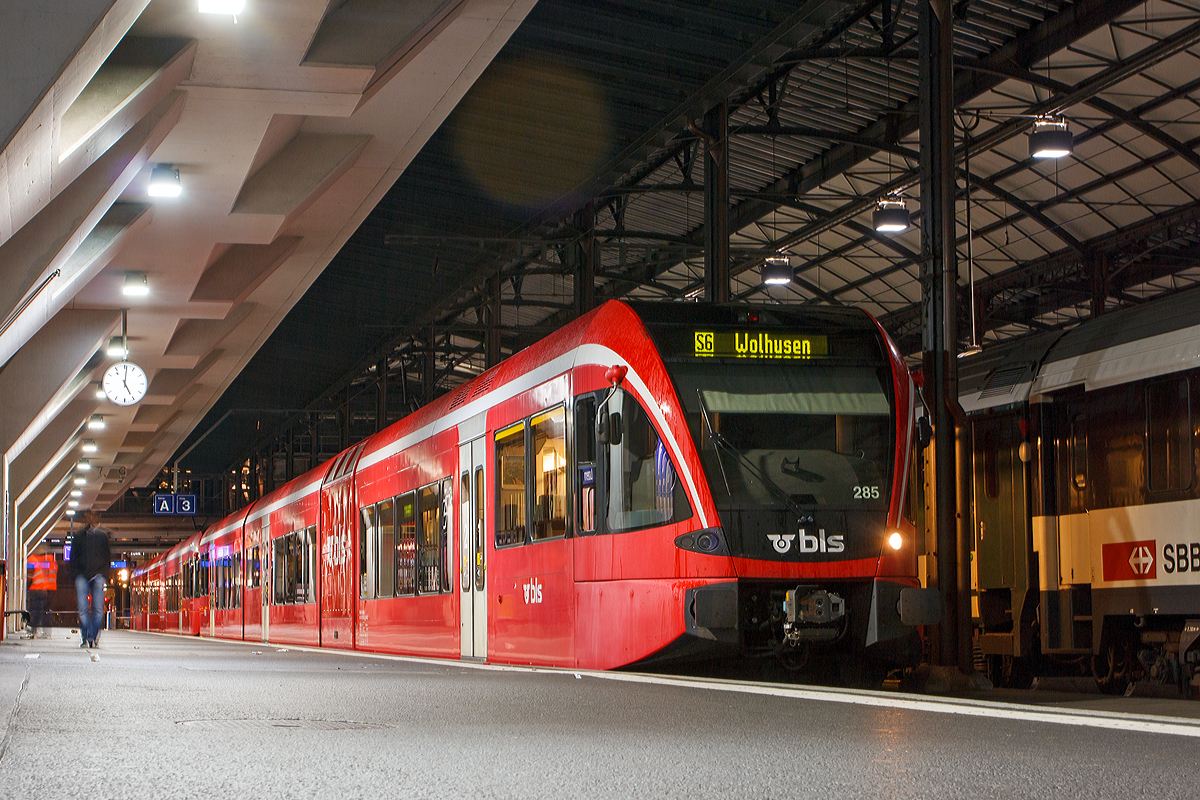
472	550
265	583
1074	526
1002	542
339	515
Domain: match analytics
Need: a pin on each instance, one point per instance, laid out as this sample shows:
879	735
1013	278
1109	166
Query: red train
652	481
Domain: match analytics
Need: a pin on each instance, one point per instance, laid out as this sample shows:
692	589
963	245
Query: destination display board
761	345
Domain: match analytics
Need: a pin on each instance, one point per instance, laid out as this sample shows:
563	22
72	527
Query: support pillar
429	369
939	277
492	320
716	204
584	260
381	406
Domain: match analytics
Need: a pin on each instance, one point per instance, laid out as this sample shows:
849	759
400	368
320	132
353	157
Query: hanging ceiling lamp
890	215
776	270
1050	138
164	182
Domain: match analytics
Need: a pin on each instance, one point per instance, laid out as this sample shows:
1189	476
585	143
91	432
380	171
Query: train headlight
895	540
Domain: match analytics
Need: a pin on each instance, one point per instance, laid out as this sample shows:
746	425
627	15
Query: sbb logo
1181	557
1130	561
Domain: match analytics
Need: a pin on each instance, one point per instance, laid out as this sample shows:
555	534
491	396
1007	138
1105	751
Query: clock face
125	383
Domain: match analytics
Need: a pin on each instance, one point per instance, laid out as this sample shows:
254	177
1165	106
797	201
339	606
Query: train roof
1135	343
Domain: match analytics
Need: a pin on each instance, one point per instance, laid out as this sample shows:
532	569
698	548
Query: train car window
480	551
429	538
293	555
585	464
548	432
464	537
203	587
511	494
447	525
385	525
253	568
367	540
1170	435
406	544
642	488
991	472
1079	464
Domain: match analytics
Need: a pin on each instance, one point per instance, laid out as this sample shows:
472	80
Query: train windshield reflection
813	436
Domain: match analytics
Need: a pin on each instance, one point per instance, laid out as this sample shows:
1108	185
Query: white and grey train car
1085	462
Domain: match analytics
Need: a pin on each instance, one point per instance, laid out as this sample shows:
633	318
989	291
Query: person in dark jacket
90	557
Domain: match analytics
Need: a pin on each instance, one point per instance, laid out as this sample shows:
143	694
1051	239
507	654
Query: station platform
147	715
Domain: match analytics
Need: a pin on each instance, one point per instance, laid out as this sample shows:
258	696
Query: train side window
548	432
464	538
367	539
447	525
1079	464
406	544
1170	435
585	464
385	517
429	538
253	569
480	548
511	496
643	489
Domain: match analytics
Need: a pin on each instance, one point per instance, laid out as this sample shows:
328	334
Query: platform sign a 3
185	504
164	504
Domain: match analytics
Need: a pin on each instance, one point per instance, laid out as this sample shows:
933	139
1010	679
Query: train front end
802	424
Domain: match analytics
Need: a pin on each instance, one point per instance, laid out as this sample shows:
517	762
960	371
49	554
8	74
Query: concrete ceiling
286	124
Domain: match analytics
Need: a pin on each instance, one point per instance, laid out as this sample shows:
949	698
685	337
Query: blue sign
185	504
118	564
181	504
587	475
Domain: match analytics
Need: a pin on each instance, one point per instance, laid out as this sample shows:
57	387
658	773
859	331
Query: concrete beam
35	256
50	445
49	51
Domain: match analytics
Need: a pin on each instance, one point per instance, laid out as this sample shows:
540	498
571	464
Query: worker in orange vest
43	580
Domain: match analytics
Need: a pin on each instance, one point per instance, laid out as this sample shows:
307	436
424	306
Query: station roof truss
581	148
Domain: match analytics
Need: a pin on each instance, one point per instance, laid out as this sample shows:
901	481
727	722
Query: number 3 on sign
866	492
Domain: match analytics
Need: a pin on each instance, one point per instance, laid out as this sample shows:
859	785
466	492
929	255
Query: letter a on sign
164	504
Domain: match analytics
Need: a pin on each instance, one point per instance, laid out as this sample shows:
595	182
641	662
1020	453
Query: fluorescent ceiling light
776	270
135	285
890	216
70	512
1050	138
100	394
76	493
222	6
84	465
73	504
116	348
89	446
164	182
96	423
81	481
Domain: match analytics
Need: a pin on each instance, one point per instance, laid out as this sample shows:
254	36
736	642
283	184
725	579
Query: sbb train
655	481
1086	498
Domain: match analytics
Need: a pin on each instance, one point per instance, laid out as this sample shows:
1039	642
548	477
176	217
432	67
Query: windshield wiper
719	440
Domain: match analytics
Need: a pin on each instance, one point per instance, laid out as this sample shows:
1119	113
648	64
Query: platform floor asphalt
151	716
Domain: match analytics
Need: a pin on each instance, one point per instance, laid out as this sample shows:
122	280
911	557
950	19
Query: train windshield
787	435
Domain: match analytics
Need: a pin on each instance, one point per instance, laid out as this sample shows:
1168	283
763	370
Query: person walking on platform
43	580
90	557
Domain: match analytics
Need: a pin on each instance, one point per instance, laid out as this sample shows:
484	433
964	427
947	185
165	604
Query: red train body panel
575	506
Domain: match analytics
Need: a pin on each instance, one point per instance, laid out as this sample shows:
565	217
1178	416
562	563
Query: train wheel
1111	667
